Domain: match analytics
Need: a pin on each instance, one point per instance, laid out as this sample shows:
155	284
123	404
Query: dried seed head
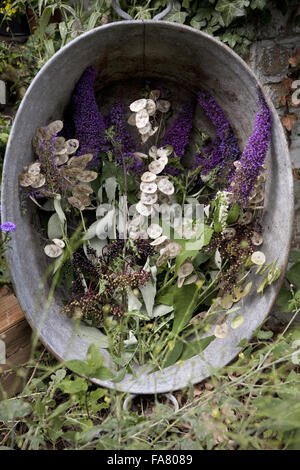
149	188
156	166
229	233
55	127
34	168
53	251
185	270
142	118
37	181
61	159
138	105
165	186
145	130
221	331
173	249
25	180
154	231
258	257
76	202
245	218
163	106
191	280
71	146
60	146
148	177
87	176
132	119
154	95
140	155
80	162
58	242
153	151
151	107
143	209
258	197
149	199
257	239
159	241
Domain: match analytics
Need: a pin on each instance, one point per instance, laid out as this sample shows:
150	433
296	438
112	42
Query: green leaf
92	366
196	347
233	214
177	16
185	301
261	334
14	408
294	256
54	227
73	385
174	354
293	275
231	9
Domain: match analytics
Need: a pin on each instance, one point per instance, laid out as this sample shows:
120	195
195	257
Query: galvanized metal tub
143	49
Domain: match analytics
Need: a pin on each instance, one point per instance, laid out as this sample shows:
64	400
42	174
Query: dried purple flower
254	154
224	149
178	135
124	139
88	121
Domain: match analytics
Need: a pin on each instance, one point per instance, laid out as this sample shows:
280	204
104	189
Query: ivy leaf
231	9
293	275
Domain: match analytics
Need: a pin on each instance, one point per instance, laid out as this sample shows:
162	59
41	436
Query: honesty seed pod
221	331
149	188
154	95
165	186
190	280
60	146
148	199
37	181
148	177
257	239
156	167
143	209
258	257
140	155
229	233
163	106
185	270
153	151
245	218
145	130
53	251
142	118
55	127
132	120
159	241
174	249
58	242
61	159
80	162
154	231
138	105
150	107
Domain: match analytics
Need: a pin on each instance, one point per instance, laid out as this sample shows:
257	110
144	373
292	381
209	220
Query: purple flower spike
88	121
254	154
8	227
123	137
224	149
178	135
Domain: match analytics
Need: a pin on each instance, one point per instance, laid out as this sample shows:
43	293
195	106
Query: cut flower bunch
156	253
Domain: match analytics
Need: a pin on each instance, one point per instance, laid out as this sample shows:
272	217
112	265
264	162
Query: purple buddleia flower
124	139
88	121
178	135
254	154
224	149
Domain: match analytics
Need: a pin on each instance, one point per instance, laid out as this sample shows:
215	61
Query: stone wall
269	60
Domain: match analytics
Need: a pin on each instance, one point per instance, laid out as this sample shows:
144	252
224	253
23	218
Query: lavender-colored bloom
178	135
88	121
8	227
254	154
124	139
224	149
